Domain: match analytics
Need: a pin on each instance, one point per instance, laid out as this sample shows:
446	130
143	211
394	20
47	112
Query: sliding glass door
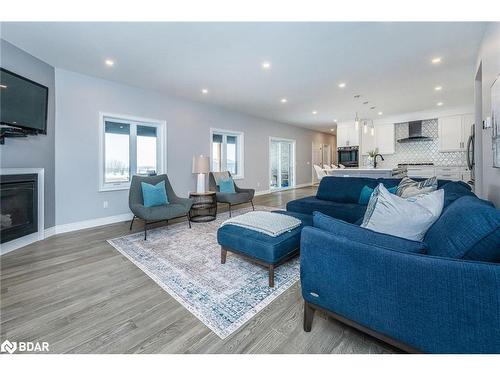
281	163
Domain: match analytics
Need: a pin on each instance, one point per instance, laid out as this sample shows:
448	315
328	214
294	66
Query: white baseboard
85	224
263	192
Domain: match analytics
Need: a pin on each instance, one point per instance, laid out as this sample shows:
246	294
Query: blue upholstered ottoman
261	248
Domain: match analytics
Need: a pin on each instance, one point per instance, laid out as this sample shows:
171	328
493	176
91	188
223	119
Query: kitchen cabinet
383	139
454	132
347	135
442	173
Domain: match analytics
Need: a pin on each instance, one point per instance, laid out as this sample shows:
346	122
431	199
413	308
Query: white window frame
294	167
134	121
240	139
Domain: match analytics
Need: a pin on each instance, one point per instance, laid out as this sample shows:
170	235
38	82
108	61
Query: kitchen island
361	172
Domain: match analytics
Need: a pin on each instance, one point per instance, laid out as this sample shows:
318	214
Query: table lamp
201	165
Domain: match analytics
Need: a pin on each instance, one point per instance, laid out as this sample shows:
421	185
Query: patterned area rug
186	263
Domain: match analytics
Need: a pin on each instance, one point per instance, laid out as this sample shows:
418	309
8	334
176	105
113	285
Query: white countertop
362	169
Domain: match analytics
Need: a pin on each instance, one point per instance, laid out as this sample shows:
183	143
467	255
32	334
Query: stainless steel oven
348	156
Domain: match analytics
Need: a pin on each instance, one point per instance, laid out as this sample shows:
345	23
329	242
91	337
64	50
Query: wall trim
85	224
299	186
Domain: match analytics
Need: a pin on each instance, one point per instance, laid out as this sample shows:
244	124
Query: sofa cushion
468	229
366	236
409	188
366	193
350	212
454	190
409	218
343	189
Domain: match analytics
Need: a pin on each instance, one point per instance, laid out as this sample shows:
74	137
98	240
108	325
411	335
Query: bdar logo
8	346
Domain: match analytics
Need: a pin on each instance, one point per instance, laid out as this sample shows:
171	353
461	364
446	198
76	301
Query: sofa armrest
433	304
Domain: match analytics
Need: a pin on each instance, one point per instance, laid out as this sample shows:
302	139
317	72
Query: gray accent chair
177	207
241	196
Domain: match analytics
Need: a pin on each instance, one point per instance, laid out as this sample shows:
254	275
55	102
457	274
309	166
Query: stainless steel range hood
415	133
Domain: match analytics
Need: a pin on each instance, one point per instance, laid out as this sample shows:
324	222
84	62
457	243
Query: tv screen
23	103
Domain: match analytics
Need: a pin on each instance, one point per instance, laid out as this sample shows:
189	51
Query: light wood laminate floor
79	294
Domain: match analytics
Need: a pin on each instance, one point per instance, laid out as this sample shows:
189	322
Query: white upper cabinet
383	139
347	135
454	132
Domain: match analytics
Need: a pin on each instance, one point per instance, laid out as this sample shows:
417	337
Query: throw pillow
154	195
226	185
366	236
407	218
409	188
367	192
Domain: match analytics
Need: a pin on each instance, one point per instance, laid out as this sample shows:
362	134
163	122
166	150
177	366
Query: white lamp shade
201	164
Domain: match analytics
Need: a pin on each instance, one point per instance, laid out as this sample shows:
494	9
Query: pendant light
356	122
372	130
365	127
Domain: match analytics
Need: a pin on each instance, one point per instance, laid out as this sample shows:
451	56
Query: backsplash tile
420	152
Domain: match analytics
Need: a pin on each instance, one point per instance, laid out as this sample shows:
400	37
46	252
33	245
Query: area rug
186	263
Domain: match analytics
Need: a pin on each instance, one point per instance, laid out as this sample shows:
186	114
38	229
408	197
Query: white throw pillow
408	218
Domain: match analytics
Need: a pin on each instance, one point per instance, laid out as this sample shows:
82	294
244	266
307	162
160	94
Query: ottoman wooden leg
223	254
271	276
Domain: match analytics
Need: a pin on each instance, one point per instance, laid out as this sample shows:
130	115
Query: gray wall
33	151
80	98
489	56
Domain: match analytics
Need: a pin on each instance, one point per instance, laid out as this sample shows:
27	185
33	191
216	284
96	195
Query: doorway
281	163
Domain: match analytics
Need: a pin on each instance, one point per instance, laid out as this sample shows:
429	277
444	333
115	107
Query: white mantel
33	237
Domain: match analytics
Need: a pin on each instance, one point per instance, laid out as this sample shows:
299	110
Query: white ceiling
387	63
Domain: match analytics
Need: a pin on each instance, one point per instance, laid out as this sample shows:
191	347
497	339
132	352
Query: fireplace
18	206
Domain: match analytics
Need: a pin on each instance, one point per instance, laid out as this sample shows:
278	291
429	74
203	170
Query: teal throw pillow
226	185
367	192
154	195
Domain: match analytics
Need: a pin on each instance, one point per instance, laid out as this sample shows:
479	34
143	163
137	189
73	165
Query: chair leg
145	229
230	214
308	316
132	222
189	219
253	208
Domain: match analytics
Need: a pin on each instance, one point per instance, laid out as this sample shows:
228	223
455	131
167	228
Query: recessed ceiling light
109	62
438	88
380	113
436	60
332	130
284	100
314	112
266	65
439	104
204	91
335	120
342	85
3	87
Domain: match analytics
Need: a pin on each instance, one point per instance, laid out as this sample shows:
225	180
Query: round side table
204	207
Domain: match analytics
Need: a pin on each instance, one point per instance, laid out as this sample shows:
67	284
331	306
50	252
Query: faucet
375	160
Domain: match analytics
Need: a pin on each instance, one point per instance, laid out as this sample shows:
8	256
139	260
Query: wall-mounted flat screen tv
23	102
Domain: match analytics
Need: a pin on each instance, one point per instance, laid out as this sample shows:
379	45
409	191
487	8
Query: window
130	146
227	152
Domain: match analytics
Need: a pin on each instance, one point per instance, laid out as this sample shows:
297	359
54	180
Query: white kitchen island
361	172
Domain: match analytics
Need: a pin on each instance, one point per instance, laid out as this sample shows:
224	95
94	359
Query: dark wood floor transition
79	294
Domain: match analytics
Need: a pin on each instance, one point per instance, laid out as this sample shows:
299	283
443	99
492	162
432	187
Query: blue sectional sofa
441	295
338	196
